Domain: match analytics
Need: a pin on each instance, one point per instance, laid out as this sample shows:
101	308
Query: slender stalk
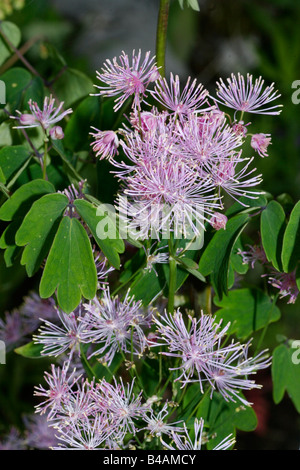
45	158
262	336
161	34
172	276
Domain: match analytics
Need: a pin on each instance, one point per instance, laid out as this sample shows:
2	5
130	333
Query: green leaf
286	374
12	158
70	266
251	205
30	350
72	86
77	129
2	176
272	229
147	285
291	241
71	172
38	229
216	256
102	224
13	33
237	260
15	209
16	80
247	310
34	92
20	202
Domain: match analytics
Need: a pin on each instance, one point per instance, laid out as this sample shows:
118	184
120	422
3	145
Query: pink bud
239	128
27	119
56	133
218	221
260	143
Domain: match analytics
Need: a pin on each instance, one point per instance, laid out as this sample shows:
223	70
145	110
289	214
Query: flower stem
45	158
172	277
161	35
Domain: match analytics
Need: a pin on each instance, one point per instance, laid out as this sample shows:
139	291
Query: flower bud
218	221
56	133
260	143
27	119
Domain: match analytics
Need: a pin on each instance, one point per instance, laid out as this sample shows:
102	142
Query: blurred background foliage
261	37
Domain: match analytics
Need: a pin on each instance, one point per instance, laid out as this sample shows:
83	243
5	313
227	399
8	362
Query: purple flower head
246	96
13	329
45	117
286	283
201	353
157	422
236	181
79	408
63	337
106	144
184	442
163	194
260	143
127	79
121	404
229	372
181	103
111	325
39	433
60	382
208	138
85	435
255	253
195	346
13	441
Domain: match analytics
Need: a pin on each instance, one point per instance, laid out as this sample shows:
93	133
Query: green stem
45	158
267	324
161	34
172	278
193	413
87	365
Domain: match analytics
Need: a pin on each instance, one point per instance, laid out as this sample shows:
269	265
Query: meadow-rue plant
130	213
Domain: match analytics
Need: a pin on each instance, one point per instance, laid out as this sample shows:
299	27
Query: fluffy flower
45	117
156	422
181	103
66	336
111	325
106	143
60	382
246	96
286	283
121	404
260	143
202	355
184	442
127	79
86	435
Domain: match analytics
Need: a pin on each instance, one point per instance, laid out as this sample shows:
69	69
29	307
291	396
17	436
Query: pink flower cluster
176	159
